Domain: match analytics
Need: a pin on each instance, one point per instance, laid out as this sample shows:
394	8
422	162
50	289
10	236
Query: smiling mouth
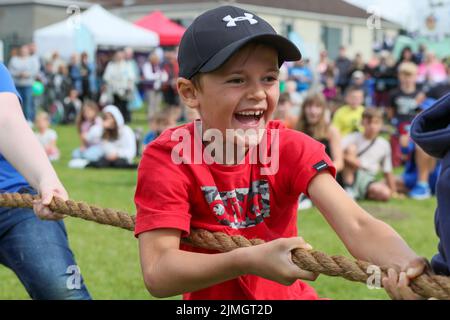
249	117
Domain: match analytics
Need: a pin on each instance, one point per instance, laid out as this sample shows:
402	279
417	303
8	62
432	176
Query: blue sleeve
6	81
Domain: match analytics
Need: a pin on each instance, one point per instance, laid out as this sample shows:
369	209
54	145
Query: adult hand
48	190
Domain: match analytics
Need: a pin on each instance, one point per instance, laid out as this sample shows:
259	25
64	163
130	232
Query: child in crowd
118	141
403	105
331	91
158	123
47	136
233	83
72	107
89	126
347	119
421	171
315	122
365	154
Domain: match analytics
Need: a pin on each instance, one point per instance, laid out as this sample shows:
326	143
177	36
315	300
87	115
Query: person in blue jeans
34	246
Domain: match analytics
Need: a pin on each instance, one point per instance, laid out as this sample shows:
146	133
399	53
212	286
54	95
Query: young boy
403	105
229	62
365	154
347	119
419	178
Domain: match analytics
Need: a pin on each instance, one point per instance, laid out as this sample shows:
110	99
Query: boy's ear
188	93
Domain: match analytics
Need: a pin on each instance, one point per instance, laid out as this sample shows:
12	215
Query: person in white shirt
365	155
154	77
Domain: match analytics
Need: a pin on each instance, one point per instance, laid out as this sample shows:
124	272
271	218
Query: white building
316	24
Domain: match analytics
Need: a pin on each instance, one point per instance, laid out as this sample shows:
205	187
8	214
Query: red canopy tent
169	32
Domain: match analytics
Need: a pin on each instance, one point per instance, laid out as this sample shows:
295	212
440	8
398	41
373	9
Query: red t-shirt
236	200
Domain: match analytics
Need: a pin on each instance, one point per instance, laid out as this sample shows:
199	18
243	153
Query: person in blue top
301	73
34	246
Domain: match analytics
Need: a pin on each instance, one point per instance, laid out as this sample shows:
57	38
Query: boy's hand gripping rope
426	285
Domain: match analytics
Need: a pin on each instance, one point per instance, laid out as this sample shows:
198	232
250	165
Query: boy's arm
20	147
169	271
365	237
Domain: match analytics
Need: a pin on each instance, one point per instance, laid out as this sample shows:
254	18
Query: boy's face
407	79
242	94
372	126
355	98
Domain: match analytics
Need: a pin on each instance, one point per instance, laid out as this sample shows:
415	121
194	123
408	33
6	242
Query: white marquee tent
96	27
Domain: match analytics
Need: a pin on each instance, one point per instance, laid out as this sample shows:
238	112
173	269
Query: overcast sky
409	13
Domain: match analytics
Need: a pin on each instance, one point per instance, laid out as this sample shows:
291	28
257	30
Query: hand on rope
47	191
277	256
426	285
397	284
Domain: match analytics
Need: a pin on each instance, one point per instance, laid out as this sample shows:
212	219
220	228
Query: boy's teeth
250	113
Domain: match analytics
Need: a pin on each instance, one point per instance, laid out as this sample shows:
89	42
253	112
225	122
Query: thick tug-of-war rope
427	285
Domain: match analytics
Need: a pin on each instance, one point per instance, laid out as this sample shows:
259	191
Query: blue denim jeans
38	252
29	109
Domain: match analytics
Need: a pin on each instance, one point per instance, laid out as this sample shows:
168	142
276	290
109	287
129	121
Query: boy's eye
270	78
236	80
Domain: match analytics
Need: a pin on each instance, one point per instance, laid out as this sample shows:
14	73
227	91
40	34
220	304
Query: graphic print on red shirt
242	207
236	200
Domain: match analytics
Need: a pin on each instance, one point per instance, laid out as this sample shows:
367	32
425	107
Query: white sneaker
78	163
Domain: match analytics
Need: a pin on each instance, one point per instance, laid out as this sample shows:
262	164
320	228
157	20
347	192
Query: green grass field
109	259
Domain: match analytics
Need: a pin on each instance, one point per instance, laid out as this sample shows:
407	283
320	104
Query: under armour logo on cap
232	21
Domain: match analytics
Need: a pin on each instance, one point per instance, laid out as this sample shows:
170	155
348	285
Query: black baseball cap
217	34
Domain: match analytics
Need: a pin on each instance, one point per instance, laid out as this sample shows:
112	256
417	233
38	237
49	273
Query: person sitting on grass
89	126
347	119
365	154
418	180
430	130
234	85
118	141
404	102
47	136
314	122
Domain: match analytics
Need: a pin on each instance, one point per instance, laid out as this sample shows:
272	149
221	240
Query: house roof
329	7
58	3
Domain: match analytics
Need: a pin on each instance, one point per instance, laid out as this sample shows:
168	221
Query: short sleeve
162	197
304	159
6	81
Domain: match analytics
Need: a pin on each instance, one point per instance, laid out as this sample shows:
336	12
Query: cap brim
287	51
